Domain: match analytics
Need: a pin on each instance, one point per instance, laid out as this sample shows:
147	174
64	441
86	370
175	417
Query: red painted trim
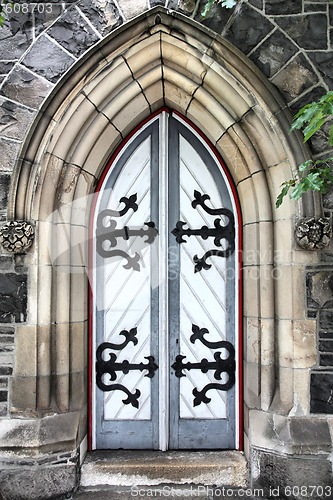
240	244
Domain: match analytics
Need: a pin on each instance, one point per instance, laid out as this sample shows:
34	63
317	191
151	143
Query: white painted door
165	295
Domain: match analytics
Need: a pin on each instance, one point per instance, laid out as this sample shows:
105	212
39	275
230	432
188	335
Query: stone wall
290	42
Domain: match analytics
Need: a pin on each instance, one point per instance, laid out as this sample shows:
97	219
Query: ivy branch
312	175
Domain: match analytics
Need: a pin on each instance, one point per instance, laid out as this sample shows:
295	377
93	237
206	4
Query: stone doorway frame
158	59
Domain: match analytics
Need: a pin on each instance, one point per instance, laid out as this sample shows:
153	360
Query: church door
165	297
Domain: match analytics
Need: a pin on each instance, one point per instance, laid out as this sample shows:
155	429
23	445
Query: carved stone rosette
16	236
313	233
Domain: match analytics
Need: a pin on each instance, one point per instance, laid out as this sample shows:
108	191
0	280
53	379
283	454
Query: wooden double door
165	295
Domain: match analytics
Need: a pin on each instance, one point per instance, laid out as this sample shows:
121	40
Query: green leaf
283	193
304	166
314	181
312	128
229	4
207	8
298	190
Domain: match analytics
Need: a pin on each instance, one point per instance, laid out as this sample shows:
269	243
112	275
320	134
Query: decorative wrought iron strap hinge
218	232
227	365
111	367
107	233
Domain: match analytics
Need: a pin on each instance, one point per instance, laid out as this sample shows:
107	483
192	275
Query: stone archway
159	59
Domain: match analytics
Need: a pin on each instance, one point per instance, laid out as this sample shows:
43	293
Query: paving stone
13	298
273	53
202	492
103	15
14	120
248	29
73	33
26	88
47	59
308	31
276	7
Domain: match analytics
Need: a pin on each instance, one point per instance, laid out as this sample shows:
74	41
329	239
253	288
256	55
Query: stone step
133	469
163	491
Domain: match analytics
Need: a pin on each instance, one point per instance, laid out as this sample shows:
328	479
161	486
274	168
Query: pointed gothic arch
158	59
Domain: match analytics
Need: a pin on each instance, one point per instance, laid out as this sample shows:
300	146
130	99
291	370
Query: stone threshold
150	468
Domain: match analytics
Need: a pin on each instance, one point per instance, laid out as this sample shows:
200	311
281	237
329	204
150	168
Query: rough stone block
296	77
3	396
313	435
6	66
273	53
44	17
276	7
26	88
14	119
319	287
326	360
45	482
104	16
9	150
274	473
309	31
248	29
216	19
323	62
13	298
4	187
15	36
132	8
72	32
326	320
321	392
6	370
44	50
